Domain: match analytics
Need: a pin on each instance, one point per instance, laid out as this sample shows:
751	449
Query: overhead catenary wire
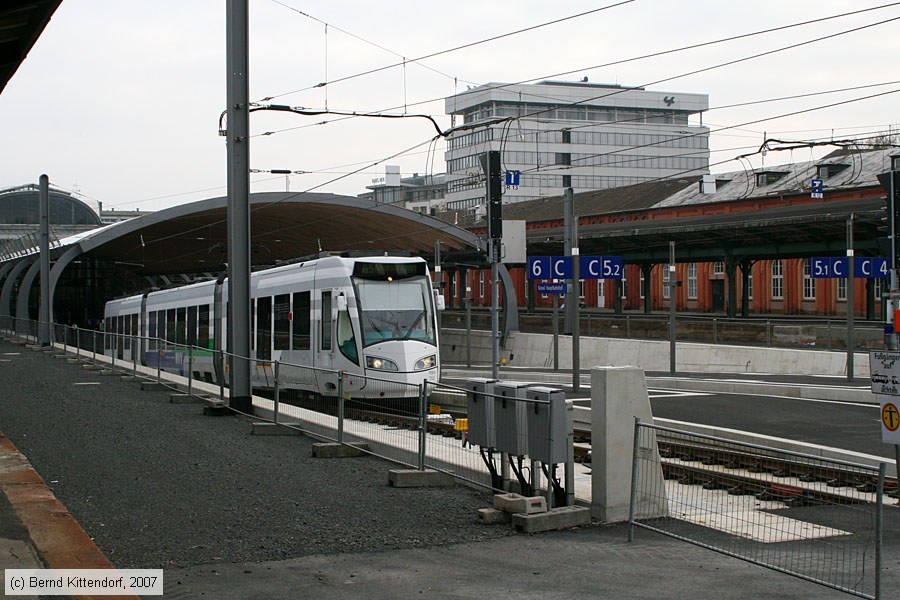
455	48
624	61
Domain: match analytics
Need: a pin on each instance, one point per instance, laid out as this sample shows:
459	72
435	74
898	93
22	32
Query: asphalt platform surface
230	515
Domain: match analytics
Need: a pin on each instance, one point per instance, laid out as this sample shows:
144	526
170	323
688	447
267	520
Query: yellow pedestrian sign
890	419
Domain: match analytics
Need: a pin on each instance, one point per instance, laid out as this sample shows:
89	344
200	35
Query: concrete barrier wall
536	350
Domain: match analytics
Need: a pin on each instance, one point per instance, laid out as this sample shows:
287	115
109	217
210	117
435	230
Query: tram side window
326	320
203	322
301	321
282	322
180	326
127	333
134	328
170	325
161	328
151	331
264	328
192	326
253	324
345	339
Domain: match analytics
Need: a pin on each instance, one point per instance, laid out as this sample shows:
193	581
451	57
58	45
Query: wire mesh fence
811	517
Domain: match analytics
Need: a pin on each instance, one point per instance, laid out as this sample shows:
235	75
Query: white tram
370	316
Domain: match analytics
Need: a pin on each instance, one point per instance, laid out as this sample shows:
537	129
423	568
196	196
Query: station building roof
193	238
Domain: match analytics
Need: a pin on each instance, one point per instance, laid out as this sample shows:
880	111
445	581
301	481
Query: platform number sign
865	267
590	267
549	267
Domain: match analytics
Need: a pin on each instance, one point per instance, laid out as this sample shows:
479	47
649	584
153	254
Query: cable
454	49
655	54
362	39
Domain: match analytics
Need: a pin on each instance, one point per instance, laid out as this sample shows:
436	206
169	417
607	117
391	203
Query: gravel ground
159	485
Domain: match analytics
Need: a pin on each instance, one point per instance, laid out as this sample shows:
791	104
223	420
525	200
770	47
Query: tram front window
395	310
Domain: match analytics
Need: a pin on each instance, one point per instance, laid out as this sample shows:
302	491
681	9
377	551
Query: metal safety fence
418	426
815	518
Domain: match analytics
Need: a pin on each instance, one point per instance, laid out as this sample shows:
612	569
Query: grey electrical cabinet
480	402
548	424
510	409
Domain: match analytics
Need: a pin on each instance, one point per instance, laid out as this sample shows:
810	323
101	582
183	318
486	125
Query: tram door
325	331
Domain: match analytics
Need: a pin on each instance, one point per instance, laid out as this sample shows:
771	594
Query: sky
119	102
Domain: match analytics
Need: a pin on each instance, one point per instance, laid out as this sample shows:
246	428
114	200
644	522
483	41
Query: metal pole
340	407
44	326
634	474
879	527
423	424
278	392
576	296
468	333
221	374
437	276
238	143
555	332
672	308
159	354
94	357
495	309
851	343
190	371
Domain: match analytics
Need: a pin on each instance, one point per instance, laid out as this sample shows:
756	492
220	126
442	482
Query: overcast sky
120	100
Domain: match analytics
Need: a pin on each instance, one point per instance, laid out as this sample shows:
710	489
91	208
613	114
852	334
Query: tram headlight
429	362
381	364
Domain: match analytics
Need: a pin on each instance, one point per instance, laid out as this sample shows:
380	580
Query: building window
641	290
777	280
481	284
581	288
601	292
719	267
842	289
877	288
544	296
692	281
667	290
750	285
809	284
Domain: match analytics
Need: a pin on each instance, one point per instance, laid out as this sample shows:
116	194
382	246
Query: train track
740	472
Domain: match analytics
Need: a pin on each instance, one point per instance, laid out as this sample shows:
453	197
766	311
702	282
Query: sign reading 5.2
591	267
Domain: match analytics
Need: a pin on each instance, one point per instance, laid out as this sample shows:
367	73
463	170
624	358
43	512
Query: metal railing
745	500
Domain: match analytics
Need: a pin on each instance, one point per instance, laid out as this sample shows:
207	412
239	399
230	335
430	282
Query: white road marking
87	383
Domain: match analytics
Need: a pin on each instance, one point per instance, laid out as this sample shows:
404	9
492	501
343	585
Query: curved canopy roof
193	238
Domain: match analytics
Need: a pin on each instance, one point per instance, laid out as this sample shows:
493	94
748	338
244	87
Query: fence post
115	349
65	339
628	326
159	353
768	333
77	341
190	371
634	473
94	347
134	355
222	375
829	335
715	330
423	423
340	388
879	527
277	391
